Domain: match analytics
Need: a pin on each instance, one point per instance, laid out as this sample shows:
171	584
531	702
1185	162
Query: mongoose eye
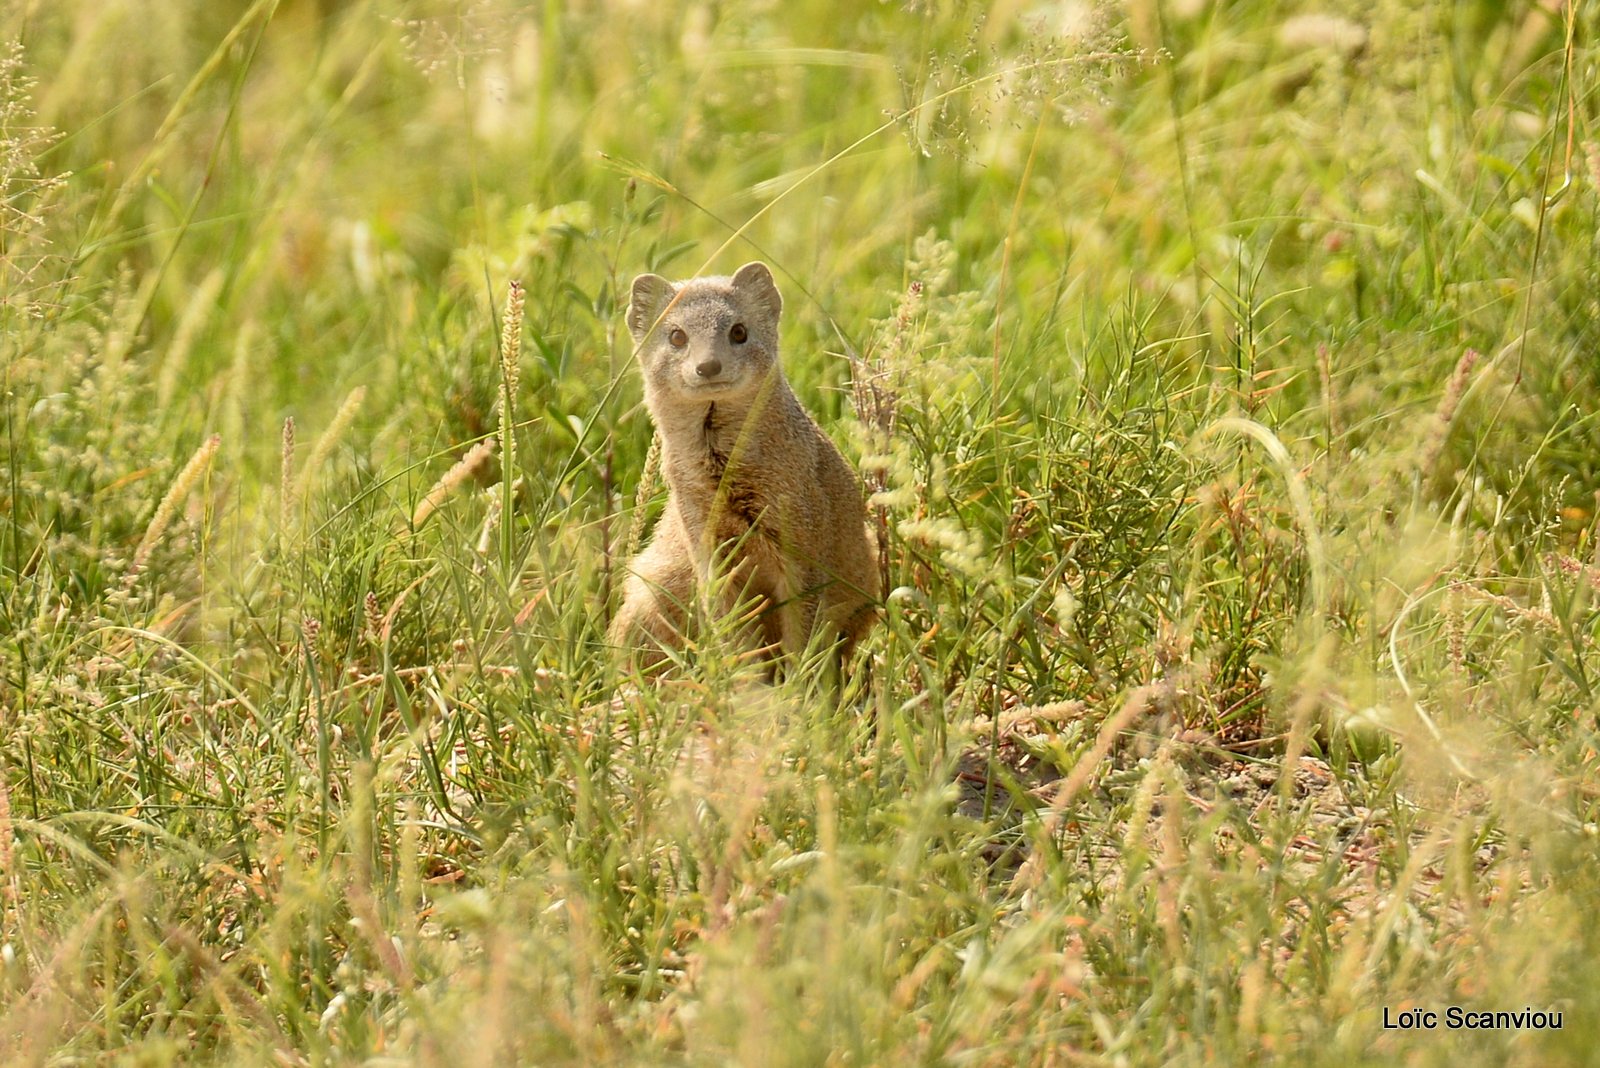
738	334
678	338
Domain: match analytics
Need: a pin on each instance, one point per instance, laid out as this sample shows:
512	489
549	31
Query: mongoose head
706	339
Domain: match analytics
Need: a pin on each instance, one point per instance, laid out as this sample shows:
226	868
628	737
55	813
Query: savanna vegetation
1224	374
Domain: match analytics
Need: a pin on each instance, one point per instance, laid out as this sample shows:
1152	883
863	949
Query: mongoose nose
708	368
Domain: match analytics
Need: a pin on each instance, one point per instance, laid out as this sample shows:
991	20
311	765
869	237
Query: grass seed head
510	358
1445	414
181	486
330	437
286	476
459	472
372	612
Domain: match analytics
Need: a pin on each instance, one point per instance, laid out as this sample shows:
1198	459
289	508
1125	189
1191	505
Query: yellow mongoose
757	493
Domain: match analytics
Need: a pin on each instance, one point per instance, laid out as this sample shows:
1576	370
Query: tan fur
757	493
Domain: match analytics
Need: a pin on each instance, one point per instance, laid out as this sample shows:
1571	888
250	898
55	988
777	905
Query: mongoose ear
754	282
651	293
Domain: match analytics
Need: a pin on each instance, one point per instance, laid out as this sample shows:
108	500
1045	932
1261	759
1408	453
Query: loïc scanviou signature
1455	1018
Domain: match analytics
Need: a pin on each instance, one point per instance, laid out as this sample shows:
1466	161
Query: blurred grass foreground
1224	375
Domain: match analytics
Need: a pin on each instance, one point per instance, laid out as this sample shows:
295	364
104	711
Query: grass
1237	678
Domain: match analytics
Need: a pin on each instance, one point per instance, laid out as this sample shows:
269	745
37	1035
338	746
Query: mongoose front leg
657	599
799	623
